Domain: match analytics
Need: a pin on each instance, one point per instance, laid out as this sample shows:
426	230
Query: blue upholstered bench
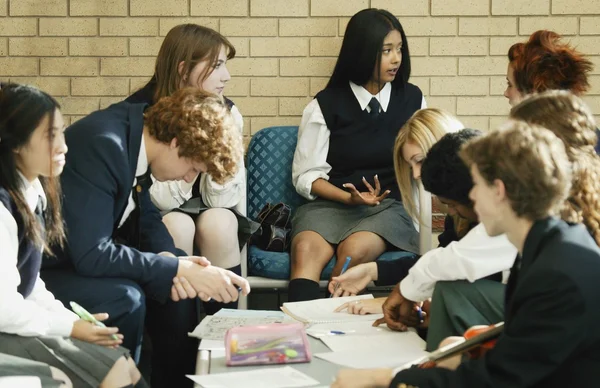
269	164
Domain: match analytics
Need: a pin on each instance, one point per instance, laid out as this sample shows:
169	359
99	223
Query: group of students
93	214
118	223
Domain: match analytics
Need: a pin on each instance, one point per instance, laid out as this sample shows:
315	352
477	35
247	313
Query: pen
86	316
344	268
420	314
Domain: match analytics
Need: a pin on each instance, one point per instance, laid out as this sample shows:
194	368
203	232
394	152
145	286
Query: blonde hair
424	129
569	118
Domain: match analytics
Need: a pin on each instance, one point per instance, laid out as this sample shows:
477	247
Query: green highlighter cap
86	316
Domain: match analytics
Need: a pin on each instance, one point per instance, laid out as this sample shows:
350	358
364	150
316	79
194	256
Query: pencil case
276	343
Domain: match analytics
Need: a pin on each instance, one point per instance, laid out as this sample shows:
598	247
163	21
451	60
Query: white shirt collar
364	96
142	162
32	191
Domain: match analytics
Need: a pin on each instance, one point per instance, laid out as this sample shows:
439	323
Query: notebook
322	310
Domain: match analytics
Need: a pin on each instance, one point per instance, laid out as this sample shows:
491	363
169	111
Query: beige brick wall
91	53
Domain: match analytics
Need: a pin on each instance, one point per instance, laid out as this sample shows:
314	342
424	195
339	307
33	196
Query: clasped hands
196	277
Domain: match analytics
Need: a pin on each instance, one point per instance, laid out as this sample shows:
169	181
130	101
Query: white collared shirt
172	194
310	157
473	257
141	168
40	313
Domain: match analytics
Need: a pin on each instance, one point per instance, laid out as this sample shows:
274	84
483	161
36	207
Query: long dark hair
22	108
362	46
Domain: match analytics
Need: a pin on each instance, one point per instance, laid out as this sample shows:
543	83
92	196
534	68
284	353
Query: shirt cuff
62	324
305	181
408	292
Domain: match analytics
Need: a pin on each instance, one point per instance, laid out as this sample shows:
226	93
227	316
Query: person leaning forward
119	257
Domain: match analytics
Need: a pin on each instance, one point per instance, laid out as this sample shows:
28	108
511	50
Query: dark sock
303	289
211	308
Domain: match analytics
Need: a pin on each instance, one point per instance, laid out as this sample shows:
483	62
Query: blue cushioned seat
269	164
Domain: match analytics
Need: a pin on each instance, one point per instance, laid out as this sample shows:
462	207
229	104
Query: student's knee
217	225
310	249
443	290
134	298
118	376
181	227
358	251
361	247
133	371
127	305
59	375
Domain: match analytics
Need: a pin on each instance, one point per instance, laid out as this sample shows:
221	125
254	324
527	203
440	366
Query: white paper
320	330
322	310
373	358
408	341
214	327
258	378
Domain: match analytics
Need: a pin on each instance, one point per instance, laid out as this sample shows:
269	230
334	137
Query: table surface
211	362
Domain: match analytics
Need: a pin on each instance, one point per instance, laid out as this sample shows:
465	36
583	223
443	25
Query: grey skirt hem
12	366
335	222
85	364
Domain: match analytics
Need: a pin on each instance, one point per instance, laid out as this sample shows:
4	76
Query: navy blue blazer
551	337
97	183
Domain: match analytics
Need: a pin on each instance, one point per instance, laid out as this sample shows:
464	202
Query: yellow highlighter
86	316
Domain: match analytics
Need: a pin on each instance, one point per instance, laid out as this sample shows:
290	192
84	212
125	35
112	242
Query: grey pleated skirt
335	222
11	366
85	364
246	227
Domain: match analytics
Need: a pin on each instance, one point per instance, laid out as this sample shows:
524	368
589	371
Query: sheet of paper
320	330
214	327
322	310
258	378
408	341
373	358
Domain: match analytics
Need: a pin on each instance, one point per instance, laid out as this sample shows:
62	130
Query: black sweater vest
360	145
29	257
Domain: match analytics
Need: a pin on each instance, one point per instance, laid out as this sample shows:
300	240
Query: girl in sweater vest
344	160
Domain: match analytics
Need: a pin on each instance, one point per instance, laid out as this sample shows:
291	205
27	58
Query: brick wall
91	53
